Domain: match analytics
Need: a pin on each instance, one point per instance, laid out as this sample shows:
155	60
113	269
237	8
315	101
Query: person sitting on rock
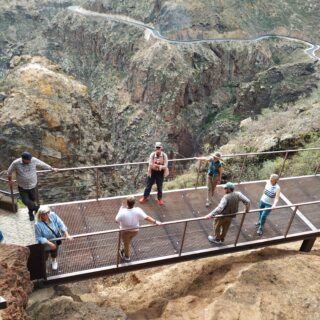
157	170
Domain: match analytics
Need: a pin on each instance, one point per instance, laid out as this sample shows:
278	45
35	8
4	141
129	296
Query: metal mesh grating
96	251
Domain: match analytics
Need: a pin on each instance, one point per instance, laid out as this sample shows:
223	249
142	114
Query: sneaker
160	202
208	204
31	217
143	200
213	239
54	264
121	254
260	232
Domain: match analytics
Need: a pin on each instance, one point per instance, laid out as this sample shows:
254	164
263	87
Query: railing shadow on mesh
88	252
96	182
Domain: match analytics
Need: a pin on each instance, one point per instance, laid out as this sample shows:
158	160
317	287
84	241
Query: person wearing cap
25	169
157	170
227	207
269	199
49	226
214	176
128	217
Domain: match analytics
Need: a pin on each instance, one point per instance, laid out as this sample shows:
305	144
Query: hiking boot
213	239
31	216
123	256
160	202
143	200
54	265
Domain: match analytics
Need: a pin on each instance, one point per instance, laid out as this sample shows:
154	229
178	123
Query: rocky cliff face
218	19
15	284
140	89
272	283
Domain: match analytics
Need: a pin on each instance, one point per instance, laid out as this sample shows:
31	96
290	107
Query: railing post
284	161
315	173
118	249
12	199
97	184
291	220
198	174
242	167
183	236
240	227
37	195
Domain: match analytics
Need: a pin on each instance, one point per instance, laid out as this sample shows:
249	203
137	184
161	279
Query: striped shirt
26	174
43	233
269	193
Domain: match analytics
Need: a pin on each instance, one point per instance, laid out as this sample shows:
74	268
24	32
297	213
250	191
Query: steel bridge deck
99	252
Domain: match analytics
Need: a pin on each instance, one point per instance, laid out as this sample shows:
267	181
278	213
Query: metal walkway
183	236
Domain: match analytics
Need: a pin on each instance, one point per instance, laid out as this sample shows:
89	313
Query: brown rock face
15	284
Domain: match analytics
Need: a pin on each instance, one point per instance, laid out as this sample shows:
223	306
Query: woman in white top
269	199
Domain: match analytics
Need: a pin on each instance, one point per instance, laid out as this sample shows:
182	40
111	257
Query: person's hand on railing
55	170
10	183
158	223
208	216
68	237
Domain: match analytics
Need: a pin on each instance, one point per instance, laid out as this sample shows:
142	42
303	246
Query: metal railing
100	181
185	222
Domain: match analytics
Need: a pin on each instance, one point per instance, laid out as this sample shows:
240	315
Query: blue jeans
156	177
264	213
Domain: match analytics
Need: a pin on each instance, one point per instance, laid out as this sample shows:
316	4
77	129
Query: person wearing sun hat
228	205
214	176
157	170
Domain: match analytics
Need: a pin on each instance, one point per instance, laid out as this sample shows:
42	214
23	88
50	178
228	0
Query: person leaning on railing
269	199
49	226
228	205
25	169
128	218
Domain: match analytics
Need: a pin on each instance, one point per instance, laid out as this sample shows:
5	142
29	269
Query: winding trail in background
310	51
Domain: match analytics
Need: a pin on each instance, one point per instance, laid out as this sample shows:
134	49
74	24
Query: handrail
182	159
186	220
